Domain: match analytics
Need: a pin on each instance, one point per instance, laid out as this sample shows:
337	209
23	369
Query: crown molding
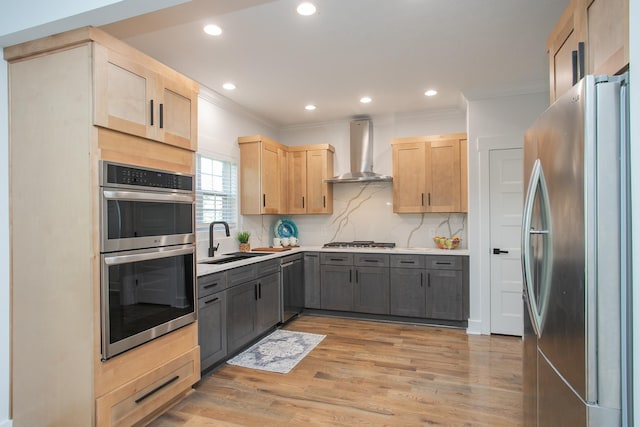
227	104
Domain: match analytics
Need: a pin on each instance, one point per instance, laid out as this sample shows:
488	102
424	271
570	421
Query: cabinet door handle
324	201
302	202
421	199
356	276
429	198
350	274
210	286
161	115
421	279
428	280
574	67
337	259
407	262
157	389
260	290
151	110
580	60
211	300
264	200
443	263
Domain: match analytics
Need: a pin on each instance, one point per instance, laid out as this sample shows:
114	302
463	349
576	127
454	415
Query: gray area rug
279	352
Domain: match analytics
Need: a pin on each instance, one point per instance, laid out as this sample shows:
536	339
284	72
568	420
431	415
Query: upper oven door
144	219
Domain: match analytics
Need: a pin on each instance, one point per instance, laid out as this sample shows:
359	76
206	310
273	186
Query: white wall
220	123
492	123
22	21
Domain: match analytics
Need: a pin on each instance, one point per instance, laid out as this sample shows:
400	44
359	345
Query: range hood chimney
361	144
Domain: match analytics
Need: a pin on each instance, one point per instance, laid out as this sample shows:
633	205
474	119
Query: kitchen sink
233	256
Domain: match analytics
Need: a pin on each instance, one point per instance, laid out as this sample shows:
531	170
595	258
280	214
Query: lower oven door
145	294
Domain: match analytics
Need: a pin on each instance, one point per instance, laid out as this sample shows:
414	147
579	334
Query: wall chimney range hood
361	152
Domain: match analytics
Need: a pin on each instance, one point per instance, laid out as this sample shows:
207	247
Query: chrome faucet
213	249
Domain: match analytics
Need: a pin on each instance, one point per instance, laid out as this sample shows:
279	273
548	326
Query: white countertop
204	269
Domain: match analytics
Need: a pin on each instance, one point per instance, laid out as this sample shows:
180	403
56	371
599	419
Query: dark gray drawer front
212	283
444	262
239	275
408	261
336	259
267	267
371	260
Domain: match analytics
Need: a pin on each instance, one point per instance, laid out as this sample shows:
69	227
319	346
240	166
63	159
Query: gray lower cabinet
444	294
354	282
371	290
253	307
212	328
312	280
432	286
336	283
212	318
408	292
241	315
268	302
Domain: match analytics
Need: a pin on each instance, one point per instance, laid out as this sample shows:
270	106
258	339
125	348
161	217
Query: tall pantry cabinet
70	99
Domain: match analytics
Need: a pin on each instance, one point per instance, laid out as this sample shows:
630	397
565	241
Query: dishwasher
292	273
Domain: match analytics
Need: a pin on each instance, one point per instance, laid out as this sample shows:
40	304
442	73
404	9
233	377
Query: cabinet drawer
136	400
240	275
371	260
444	262
408	261
211	283
336	259
267	267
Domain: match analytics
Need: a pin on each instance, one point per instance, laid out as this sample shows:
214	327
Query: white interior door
506	216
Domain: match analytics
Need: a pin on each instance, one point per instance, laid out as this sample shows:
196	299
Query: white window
216	192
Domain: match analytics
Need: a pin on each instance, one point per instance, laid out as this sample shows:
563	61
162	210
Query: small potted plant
243	238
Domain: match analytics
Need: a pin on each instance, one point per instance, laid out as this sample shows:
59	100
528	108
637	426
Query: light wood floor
372	374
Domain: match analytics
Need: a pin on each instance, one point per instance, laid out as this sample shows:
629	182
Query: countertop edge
205	269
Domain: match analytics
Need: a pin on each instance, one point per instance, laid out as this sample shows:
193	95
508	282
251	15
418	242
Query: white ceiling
390	50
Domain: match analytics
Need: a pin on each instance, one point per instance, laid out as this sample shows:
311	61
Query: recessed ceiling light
306	9
365	100
431	92
310	107
212	30
229	86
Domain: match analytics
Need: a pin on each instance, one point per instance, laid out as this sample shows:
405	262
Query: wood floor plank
368	373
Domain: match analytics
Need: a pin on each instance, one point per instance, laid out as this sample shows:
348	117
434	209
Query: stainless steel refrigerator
574	258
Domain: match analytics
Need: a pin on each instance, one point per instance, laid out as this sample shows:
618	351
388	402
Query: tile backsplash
362	211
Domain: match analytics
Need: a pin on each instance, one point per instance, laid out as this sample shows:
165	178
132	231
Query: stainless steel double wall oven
147	254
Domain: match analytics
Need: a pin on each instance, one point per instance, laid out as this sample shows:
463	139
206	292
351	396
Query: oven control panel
119	175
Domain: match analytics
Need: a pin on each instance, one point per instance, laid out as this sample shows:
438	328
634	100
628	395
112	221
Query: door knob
498	251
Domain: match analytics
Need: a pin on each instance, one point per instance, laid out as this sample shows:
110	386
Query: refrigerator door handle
537	305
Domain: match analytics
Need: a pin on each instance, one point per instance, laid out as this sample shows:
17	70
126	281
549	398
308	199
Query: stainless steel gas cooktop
359	244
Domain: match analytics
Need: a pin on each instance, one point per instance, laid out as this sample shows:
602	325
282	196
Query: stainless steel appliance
147	255
574	258
359	244
144	208
292	269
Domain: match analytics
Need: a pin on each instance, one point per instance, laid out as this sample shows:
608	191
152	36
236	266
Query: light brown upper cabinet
134	96
591	37
263	166
430	174
309	166
276	179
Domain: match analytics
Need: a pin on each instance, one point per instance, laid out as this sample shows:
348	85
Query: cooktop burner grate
359	244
